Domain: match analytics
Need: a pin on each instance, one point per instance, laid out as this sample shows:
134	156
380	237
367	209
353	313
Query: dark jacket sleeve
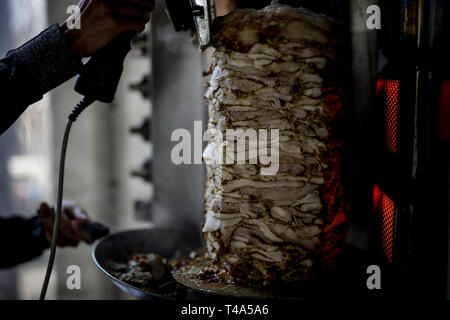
21	240
32	70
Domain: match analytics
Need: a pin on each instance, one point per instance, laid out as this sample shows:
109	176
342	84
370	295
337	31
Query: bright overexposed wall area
26	151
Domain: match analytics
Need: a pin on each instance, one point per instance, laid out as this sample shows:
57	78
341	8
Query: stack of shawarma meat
275	68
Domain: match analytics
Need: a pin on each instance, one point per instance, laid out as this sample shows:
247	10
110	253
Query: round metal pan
117	249
189	269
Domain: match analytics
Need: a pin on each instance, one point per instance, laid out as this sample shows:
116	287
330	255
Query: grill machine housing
410	156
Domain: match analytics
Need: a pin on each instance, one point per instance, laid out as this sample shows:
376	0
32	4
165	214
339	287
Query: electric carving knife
185	14
101	74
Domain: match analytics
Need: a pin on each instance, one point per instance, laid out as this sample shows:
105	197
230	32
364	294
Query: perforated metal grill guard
392	112
383	205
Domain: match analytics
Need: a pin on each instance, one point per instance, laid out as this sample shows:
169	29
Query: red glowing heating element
386	207
392	124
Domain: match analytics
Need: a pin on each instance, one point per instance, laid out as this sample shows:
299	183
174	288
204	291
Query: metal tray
120	247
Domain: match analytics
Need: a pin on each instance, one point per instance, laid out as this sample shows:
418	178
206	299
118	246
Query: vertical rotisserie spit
276	68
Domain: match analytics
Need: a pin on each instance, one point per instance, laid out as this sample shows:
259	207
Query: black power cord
97	81
82	105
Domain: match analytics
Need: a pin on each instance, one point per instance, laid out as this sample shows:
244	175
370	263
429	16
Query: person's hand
101	21
72	224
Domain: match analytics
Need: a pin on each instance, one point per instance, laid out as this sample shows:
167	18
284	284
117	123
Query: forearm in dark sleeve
32	70
21	240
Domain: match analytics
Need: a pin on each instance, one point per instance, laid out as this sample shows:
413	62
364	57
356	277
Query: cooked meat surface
275	68
147	271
